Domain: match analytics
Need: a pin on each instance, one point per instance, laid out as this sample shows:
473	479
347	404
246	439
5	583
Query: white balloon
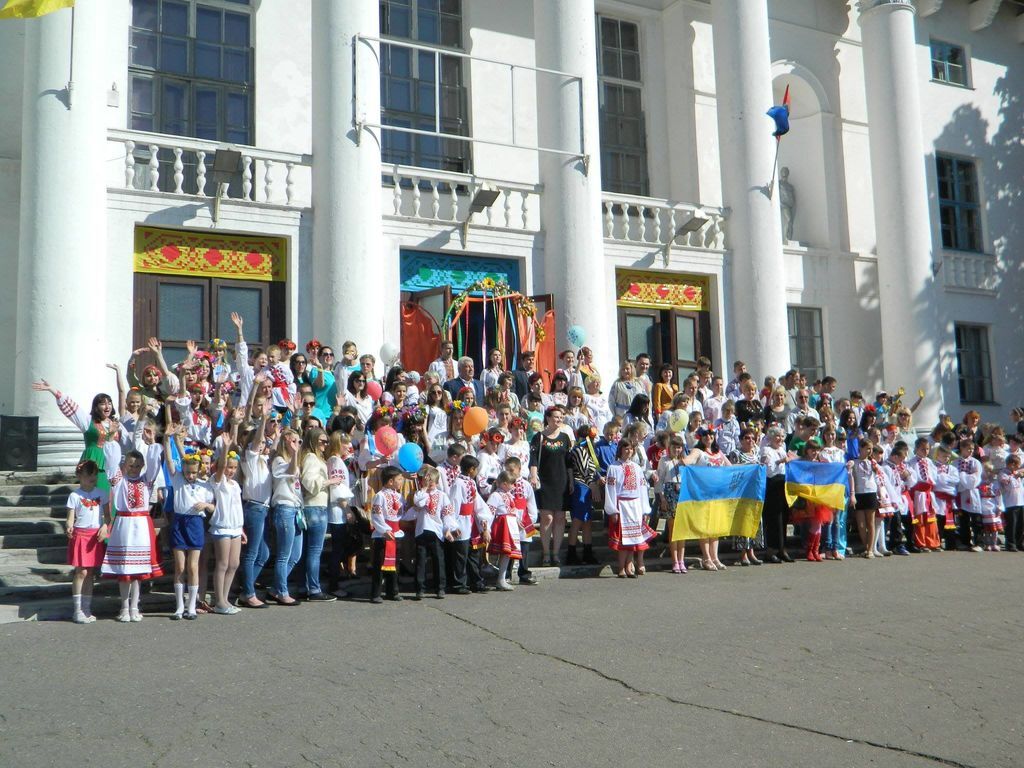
388	353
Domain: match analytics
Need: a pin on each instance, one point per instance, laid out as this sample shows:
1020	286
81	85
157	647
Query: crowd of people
236	463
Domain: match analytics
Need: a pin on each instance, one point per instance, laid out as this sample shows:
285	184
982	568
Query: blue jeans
257	551
833	535
316	530
289	545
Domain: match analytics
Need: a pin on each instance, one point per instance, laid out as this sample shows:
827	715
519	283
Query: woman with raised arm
100	429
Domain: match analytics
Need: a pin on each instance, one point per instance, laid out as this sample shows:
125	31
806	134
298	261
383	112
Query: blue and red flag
780	114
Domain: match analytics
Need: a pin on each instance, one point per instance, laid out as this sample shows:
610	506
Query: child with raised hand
87	534
226	530
435	522
193	498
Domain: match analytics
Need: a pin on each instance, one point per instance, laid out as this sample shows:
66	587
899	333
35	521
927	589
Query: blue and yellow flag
817	482
719	501
30	9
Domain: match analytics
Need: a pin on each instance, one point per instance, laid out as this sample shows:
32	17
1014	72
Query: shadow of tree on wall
1000	159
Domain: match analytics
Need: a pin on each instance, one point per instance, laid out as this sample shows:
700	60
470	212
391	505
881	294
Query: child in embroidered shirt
1012	487
87	534
526	508
386	514
435	522
473	534
667	496
131	548
193	498
969	497
504	528
339	512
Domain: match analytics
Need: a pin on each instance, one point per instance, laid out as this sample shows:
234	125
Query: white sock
122	588
77	601
502	567
135	593
87	604
179	598
193	592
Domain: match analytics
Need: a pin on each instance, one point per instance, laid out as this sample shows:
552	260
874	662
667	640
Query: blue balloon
576	335
410	457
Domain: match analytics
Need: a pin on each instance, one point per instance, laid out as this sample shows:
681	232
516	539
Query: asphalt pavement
901	662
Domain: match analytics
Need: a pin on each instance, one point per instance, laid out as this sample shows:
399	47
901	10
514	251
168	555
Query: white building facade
626	142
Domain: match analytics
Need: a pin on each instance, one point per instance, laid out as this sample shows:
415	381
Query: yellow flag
30	9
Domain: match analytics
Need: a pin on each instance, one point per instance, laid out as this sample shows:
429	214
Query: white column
62	249
571	201
743	86
903	230
348	243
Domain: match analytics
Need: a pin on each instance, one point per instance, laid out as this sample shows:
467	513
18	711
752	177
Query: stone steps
35	582
32	540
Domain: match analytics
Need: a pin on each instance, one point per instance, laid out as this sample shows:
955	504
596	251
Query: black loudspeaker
19	443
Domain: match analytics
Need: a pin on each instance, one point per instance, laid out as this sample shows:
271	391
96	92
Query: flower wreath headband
218	344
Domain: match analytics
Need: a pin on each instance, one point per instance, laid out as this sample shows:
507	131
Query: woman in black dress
550	477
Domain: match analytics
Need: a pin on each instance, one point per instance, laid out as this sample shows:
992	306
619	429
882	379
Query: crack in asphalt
706	707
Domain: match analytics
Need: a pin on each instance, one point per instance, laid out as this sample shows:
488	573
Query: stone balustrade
182	166
970	271
655	222
425	194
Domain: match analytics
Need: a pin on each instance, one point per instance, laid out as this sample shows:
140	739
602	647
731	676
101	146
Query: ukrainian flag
823	483
30	9
719	501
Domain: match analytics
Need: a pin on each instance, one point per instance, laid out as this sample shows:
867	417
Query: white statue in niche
787	204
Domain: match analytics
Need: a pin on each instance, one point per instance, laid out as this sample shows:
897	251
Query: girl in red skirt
87	535
813	515
504	527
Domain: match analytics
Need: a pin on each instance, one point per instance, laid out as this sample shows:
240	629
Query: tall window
959	206
407	85
623	142
806	342
191	74
949	63
973	363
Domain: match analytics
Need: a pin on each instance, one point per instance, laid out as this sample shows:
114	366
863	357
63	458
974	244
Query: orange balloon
475	421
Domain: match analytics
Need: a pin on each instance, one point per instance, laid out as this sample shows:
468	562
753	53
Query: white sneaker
124	617
504	587
90	619
80	618
136	616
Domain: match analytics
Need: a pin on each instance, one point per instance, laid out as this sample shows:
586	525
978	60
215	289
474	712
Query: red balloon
374	389
475	421
386	440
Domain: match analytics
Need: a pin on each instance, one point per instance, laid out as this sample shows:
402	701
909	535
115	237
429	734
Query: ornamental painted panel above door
420	270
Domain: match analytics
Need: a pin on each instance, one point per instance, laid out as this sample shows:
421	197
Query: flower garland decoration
500	289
